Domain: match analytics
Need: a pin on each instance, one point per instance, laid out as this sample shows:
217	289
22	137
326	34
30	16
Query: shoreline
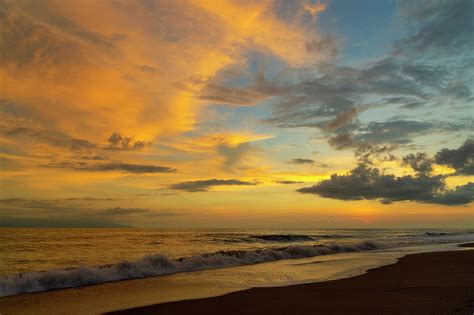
218	283
435	282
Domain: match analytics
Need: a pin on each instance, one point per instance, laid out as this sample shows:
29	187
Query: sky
237	114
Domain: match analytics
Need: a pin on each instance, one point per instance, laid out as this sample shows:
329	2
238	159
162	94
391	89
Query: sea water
41	259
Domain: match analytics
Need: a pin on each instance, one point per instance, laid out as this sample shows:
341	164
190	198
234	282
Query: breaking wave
438	234
155	265
269	238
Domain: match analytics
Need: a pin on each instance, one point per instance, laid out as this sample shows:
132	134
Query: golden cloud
91	68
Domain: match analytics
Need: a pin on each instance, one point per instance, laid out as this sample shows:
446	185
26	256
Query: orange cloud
90	68
75	72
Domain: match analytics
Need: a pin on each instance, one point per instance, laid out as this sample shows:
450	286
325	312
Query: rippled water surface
40	259
42	249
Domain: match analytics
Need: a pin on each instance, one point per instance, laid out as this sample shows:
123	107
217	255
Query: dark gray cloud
118	142
367	182
369	153
342	119
430	67
302	161
370	183
334	98
52	137
204	185
288	182
341	141
461	159
393	131
333	101
459	196
113	166
439	28
216	90
419	162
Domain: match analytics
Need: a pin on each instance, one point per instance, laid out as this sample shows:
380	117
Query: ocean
41	259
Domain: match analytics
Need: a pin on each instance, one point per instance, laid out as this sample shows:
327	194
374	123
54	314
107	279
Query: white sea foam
155	265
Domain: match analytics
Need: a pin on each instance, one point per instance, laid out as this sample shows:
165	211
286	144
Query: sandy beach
434	283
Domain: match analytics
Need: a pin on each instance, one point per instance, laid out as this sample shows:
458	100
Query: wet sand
427	283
